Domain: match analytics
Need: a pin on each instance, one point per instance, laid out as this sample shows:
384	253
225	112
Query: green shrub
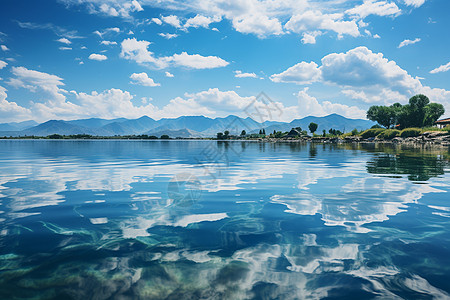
373	132
389	134
410	132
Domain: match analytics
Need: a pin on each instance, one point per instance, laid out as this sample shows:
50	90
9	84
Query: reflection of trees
418	166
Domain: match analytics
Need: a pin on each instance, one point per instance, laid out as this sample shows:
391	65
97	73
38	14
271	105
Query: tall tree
243	132
417	109
312	127
432	113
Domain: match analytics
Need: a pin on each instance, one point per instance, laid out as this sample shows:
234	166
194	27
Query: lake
223	220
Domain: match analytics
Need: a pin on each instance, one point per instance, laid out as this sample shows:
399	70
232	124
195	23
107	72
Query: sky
73	59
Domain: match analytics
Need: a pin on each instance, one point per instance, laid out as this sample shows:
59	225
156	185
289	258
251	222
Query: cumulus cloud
108	43
309	106
201	21
443	68
172	20
374	7
143	79
98	57
196	61
301	73
239	74
10	111
34	80
261	25
408	42
4	48
137	51
313	20
310	37
262	18
365	76
3	64
115	8
170	75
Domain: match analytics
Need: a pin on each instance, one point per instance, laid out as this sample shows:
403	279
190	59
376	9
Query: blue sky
71	59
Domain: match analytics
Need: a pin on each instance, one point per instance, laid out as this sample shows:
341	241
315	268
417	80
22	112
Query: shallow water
218	220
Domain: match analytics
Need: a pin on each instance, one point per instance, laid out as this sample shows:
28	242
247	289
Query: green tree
312	127
417	109
264	131
324	133
432	113
226	134
243	132
383	115
165	137
220	136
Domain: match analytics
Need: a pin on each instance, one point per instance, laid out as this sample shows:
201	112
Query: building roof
443	121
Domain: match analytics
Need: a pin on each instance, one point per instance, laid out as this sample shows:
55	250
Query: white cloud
133	49
265	17
443	68
115	8
239	74
197	61
363	75
143	79
64	41
261	25
408	42
313	20
310	37
415	3
301	73
309	106
170	75
3	64
98	57
59	31
65	48
108	43
172	20
201	21
10	111
168	35
107	31
374	7
156	21
4	48
32	80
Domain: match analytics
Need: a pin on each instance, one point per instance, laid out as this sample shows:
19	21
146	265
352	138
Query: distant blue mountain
186	126
94	122
17	126
334	121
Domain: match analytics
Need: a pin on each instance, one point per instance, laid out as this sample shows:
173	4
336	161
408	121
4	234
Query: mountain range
185	127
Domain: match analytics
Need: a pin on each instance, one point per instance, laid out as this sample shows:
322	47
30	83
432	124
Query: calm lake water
218	220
